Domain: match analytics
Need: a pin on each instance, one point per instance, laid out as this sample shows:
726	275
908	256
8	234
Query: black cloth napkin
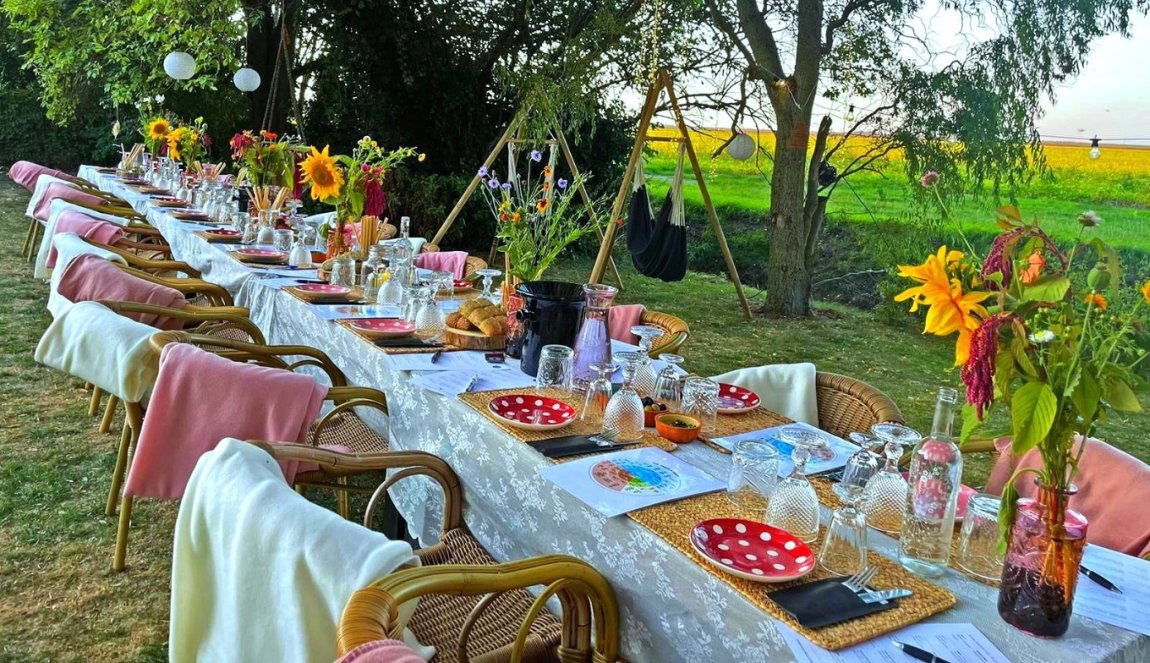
825	602
405	343
572	445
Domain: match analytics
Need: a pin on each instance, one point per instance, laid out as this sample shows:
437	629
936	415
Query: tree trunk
788	271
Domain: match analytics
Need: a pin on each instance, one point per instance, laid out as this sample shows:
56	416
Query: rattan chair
339	426
847	405
200	292
675	332
471	608
162	265
114	208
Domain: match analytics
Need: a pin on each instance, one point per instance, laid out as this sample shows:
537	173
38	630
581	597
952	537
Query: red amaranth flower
373	199
978	371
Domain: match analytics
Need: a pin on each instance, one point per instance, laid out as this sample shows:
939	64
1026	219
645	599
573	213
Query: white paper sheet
1130	609
452	383
840	449
465	360
956	643
621	481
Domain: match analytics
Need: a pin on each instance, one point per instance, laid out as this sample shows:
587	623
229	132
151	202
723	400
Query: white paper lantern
741	147
247	79
180	65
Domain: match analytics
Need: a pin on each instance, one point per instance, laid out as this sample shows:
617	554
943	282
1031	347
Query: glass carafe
593	345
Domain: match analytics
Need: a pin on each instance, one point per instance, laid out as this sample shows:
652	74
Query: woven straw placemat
370	340
353	298
673	522
827	497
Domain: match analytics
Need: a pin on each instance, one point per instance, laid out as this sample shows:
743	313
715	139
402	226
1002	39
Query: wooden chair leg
28	237
94	404
120	471
32	247
122	534
342	503
109	414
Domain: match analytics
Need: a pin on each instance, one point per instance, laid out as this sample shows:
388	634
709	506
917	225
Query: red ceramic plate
260	255
532	412
223	232
324	288
752	550
735	400
463	284
383	327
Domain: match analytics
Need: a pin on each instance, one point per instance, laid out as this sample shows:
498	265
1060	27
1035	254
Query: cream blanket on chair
261	574
41	270
70	246
788	389
91	342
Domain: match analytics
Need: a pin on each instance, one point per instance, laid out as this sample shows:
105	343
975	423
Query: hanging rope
283	62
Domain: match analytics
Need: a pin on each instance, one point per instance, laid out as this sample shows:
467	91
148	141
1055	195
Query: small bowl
649	416
677	434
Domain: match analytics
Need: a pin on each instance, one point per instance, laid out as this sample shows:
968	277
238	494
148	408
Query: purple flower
562	183
483	171
493	183
536	155
507	186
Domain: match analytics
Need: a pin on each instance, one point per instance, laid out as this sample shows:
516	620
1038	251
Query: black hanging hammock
658	246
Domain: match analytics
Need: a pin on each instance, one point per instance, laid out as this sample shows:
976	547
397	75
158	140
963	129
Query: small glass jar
282	240
342	271
371	272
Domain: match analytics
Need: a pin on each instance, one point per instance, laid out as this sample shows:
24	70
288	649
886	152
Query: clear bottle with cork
934	482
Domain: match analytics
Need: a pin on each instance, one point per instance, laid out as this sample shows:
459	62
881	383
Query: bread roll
471	305
457	321
479	315
492	326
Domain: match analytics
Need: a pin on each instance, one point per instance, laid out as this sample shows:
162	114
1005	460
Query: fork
858	582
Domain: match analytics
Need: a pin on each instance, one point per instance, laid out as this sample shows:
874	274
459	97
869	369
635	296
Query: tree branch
815	206
762	41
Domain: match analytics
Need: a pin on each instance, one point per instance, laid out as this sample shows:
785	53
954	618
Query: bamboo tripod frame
663	83
513	135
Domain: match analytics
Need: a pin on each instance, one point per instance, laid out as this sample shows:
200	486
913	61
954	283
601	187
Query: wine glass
598	393
669	385
860	467
795	505
844	551
645	375
624	413
884	497
488	275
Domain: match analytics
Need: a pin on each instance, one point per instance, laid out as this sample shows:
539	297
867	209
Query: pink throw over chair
25	173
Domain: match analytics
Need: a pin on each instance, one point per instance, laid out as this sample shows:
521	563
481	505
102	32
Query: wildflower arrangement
189	142
1053	349
353	184
155	123
534	219
265	160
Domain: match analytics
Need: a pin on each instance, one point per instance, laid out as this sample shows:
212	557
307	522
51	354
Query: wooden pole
458	209
566	148
732	271
617	207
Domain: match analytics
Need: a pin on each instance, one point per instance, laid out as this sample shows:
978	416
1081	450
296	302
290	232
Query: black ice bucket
550	315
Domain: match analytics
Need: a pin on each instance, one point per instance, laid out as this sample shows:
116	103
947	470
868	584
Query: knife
883	595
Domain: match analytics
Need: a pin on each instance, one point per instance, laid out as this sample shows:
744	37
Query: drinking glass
300	256
413	298
598	393
978	543
430	322
754	473
701	401
391	292
241	220
884	497
283	240
645	375
443	284
342	272
794	506
860	467
488	275
554	370
669	385
624	413
844	551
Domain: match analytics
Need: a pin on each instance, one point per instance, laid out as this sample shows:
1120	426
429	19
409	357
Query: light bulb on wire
1095	150
850	118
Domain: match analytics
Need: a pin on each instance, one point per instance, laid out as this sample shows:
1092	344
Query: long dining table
672	609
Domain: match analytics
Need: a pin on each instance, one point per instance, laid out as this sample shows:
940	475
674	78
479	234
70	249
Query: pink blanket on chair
443	261
91	278
71	221
65	191
621	319
201	398
1113	491
25	173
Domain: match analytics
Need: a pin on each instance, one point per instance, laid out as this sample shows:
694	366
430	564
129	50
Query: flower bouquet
155	130
189	142
1049	344
353	184
267	165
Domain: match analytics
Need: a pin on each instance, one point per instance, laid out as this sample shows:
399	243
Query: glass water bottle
934	481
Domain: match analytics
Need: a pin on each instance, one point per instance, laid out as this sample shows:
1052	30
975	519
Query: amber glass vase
1040	571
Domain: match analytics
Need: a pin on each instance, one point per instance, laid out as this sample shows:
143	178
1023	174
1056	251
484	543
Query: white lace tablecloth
672	608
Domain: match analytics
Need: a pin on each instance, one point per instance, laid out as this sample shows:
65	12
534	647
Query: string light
850	118
1095	150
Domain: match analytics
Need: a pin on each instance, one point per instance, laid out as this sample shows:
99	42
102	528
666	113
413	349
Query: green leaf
970	423
1032	411
1108	255
1118	395
1086	395
1049	288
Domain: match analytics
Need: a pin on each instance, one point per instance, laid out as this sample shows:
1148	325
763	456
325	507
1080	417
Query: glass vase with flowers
267	167
1044	340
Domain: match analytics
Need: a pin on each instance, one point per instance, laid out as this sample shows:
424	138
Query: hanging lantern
179	65
741	147
246	79
1095	150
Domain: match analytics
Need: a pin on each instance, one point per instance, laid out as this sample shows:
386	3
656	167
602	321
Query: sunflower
174	137
320	170
951	310
158	128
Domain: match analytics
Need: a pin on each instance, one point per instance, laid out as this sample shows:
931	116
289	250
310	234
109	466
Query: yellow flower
175	136
1146	291
1097	301
158	128
321	171
951	310
422	156
541	204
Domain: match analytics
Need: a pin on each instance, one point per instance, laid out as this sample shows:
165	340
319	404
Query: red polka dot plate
532	412
752	550
384	327
461	285
736	400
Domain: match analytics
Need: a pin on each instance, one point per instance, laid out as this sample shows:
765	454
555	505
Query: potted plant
1038	338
